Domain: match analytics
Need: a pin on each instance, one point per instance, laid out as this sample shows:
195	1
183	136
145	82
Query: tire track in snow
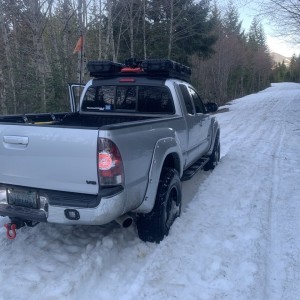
278	137
282	275
236	134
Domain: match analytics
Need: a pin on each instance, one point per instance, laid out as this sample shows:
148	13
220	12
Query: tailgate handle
16	139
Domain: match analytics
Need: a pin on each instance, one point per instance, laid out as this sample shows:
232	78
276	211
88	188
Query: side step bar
193	169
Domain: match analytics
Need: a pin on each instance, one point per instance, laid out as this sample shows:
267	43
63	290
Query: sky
276	44
237	237
248	10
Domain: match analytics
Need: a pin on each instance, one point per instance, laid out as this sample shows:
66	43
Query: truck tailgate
52	158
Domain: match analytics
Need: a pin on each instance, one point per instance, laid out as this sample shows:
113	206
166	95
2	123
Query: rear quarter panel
137	144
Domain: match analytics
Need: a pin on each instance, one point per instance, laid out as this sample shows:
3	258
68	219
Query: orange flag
79	45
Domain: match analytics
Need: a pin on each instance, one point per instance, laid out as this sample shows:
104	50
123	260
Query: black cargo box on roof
103	68
167	68
150	67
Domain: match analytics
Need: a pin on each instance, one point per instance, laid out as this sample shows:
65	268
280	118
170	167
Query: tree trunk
100	33
171	28
131	22
41	67
109	43
11	77
81	35
3	109
144	28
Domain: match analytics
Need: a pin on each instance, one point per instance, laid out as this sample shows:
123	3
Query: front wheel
153	226
214	158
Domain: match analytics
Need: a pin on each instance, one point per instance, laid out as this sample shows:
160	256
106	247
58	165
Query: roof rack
150	67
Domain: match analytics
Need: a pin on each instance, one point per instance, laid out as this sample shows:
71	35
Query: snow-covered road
238	236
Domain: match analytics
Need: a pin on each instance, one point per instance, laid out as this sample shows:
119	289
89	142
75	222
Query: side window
187	99
155	99
197	102
145	99
99	98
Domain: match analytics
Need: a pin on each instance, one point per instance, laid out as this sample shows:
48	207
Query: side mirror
211	107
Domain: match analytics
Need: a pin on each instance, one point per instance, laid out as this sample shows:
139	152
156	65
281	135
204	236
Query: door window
197	102
187	99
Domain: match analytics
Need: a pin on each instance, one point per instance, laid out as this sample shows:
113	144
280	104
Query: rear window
143	99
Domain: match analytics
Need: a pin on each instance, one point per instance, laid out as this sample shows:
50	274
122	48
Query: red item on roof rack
131	70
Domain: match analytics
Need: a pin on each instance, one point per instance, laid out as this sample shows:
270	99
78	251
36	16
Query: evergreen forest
38	37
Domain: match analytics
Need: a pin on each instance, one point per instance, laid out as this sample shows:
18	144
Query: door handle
16	140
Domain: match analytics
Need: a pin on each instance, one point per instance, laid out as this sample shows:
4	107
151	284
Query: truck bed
73	119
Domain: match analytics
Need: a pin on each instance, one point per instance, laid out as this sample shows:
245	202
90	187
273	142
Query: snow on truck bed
238	236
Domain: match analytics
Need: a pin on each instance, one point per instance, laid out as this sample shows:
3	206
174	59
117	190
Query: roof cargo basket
103	68
150	67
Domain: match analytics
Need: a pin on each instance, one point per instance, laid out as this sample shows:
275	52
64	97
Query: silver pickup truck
121	154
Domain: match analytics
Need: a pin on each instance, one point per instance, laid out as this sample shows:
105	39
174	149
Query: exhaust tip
125	221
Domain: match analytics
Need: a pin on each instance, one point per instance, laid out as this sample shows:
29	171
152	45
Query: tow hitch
15	224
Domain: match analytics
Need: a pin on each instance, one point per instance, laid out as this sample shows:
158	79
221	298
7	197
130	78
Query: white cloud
282	47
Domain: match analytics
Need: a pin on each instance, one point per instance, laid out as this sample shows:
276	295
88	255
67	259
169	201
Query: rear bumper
36	215
109	207
108	210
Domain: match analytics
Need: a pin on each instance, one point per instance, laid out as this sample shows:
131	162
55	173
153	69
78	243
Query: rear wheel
153	226
214	158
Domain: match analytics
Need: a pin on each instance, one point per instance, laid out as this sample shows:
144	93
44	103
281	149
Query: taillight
110	165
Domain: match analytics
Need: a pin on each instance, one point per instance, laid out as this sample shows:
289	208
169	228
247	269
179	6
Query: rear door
203	121
49	157
75	90
192	123
197	123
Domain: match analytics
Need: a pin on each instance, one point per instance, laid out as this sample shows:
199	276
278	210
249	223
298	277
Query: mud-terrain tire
214	158
155	225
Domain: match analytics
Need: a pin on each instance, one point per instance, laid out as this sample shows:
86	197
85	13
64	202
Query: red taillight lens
110	165
105	161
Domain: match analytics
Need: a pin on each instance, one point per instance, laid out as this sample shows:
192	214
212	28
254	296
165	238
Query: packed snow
238	236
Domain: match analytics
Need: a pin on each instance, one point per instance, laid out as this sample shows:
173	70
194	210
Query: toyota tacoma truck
139	129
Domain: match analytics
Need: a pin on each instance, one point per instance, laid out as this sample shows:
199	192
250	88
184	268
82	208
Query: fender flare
163	148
